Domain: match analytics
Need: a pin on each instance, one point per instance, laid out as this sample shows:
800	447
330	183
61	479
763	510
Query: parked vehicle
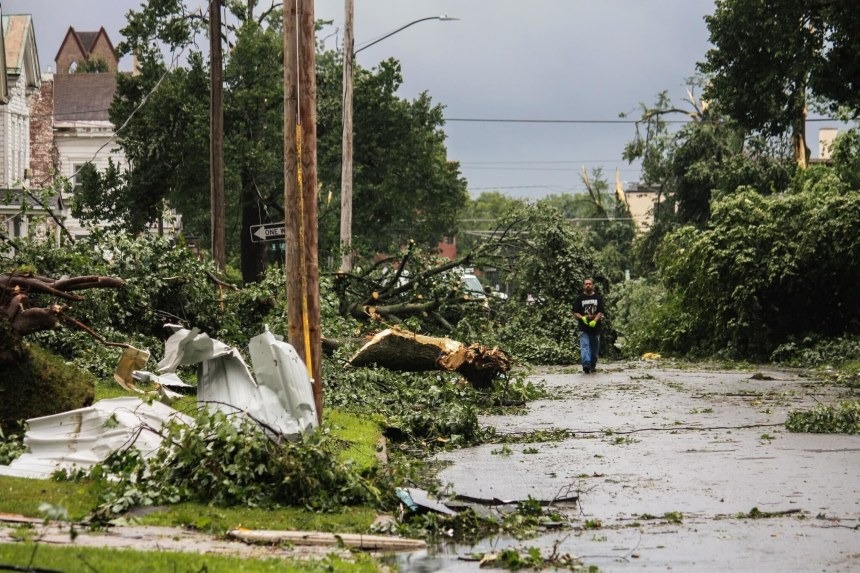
473	287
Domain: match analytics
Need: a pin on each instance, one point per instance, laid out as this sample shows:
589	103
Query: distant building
80	47
641	199
447	248
826	137
82	130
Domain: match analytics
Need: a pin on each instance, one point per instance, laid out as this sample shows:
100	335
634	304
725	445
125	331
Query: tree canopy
405	188
770	56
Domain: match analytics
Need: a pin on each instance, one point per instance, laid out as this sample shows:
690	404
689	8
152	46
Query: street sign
267	232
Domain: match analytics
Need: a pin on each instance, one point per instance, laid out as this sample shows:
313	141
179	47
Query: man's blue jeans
589	348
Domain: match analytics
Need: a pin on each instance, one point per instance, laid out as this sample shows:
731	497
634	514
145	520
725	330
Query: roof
18	36
83	97
85	41
14	198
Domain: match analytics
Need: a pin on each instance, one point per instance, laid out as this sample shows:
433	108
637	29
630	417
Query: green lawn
358	438
28	556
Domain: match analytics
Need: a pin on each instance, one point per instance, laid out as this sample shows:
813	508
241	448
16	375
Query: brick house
81	46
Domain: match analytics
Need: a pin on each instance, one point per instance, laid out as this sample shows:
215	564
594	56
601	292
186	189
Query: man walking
588	310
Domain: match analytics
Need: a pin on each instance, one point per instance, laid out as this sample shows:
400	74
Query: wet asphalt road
669	464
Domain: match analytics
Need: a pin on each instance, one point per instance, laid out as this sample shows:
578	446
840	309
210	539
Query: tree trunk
405	351
252	255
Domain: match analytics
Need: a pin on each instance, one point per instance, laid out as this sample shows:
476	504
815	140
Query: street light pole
346	161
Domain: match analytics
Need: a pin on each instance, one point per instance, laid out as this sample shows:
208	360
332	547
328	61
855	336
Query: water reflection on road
674	467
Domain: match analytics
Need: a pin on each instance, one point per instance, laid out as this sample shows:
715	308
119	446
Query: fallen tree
19	316
15	299
406	351
35	382
392	289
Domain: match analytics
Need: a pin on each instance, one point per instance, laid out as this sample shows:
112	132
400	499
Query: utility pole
300	189
346	162
346	156
216	138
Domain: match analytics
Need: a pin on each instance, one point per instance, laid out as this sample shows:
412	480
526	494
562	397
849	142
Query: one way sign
267	232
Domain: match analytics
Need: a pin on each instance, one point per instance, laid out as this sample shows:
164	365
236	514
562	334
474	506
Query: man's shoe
586	369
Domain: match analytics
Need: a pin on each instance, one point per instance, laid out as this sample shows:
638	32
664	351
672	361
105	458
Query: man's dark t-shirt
588	304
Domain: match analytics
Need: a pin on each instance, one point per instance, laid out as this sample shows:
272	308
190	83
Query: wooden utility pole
349	53
300	189
346	160
216	138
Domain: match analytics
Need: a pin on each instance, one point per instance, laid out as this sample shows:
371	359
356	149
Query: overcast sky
569	66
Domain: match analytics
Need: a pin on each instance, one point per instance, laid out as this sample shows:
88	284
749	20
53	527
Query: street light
346	161
442	17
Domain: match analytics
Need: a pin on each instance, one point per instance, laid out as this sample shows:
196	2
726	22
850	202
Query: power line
596	121
576	161
547	186
511	120
524	168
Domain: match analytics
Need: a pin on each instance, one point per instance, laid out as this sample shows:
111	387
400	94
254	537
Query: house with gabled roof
79	47
22	80
68	126
82	130
23	212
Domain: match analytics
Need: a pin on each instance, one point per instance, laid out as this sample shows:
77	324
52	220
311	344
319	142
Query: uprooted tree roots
18	315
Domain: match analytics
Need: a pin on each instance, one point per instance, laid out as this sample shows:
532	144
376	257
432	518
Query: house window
78	179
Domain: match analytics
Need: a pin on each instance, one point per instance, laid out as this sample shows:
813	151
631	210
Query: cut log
406	351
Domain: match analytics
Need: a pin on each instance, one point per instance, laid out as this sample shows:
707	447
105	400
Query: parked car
473	287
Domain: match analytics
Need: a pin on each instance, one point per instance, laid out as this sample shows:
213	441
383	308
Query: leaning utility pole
346	157
300	189
216	138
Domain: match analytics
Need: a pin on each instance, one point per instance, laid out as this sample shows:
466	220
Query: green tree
610	226
404	187
481	217
767	268
91	66
164	114
709	157
254	142
550	259
837	76
769	56
846	157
